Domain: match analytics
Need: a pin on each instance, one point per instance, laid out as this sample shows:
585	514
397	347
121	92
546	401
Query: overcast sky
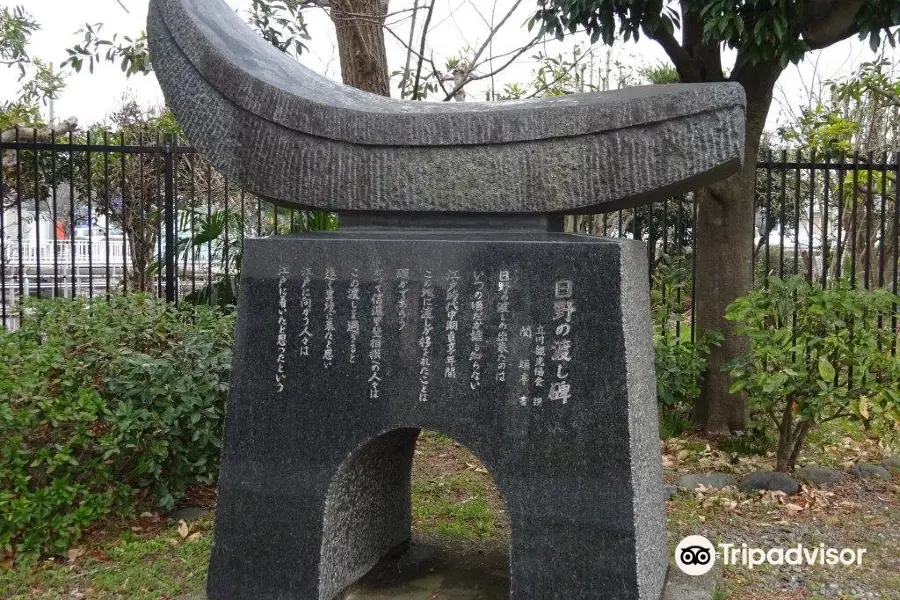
456	24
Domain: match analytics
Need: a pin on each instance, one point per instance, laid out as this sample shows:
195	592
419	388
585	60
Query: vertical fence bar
3	291
882	231
754	250
765	228
106	200
694	267
883	220
226	249
176	214
783	221
826	208
797	196
160	214
896	278
243	220
869	209
192	164
169	216
142	247
209	195
90	219
37	214
259	230
679	251
853	215
651	241
812	216
663	255
54	213
124	209
841	239
72	247
19	217
177	210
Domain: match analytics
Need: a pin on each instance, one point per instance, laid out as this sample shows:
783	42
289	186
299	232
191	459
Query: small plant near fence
817	354
106	405
680	361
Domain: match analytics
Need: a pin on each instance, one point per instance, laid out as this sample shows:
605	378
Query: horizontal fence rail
95	213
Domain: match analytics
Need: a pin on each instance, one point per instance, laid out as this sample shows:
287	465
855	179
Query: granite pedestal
533	350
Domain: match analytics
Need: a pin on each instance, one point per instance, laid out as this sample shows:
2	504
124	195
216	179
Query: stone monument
449	300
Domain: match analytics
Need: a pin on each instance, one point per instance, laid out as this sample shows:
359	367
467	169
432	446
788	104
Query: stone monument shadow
368	510
368	513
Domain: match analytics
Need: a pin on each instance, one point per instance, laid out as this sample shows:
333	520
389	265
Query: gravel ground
855	514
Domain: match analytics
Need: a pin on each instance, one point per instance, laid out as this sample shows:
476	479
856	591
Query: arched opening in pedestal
412	515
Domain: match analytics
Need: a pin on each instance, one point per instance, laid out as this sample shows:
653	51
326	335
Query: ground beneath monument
433	567
455	502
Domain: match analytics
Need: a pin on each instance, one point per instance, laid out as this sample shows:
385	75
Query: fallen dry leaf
183	529
73	553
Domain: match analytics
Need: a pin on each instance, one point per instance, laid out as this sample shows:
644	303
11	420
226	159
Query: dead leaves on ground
684	455
185	535
778	505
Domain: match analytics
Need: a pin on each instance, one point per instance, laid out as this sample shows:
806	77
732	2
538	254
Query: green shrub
103	405
679	369
680	362
816	355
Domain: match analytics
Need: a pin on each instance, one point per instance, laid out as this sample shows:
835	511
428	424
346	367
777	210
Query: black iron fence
93	213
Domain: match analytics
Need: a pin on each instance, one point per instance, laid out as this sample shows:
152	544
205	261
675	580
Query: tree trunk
724	260
360	38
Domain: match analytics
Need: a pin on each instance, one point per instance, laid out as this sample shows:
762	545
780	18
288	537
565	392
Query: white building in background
40	256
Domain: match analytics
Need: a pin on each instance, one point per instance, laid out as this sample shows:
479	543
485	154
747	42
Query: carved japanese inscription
446	330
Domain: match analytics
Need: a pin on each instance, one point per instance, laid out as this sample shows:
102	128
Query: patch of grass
454	505
433	441
754	442
163	564
673	423
684	512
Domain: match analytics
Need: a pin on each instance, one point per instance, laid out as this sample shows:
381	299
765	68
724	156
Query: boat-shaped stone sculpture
291	135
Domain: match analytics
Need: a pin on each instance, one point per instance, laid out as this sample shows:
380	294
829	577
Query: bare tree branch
415	53
559	76
471	67
409	50
422	48
892	98
514	55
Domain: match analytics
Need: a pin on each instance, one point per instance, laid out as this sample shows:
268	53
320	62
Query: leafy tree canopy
38	81
760	30
280	22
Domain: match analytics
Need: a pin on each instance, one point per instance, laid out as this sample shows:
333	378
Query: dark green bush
680	362
816	355
679	370
104	405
